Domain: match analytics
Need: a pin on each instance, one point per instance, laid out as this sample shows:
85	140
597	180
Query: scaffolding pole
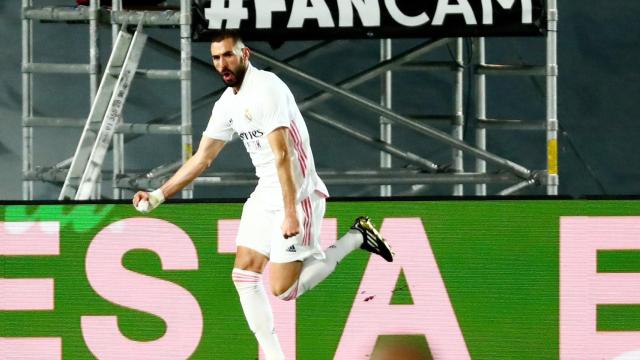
552	98
185	87
481	111
94	71
118	138
27	99
352	177
94	54
517	187
386	92
458	117
384	147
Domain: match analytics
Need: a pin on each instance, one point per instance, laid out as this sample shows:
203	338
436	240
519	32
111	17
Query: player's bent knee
286	293
278	290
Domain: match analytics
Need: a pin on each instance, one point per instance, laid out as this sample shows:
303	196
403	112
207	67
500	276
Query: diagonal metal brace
398	119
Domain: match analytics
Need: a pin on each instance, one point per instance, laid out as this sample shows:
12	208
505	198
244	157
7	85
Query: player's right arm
208	151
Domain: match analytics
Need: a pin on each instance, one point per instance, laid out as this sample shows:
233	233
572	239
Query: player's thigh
257	228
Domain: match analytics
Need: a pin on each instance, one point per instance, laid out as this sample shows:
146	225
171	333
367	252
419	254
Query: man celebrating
281	219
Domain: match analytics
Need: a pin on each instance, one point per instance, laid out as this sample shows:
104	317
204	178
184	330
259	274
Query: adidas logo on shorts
291	249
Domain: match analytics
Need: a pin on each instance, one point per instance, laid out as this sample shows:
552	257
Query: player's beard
237	75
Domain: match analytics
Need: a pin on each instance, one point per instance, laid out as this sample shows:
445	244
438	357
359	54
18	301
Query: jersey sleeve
275	106
220	124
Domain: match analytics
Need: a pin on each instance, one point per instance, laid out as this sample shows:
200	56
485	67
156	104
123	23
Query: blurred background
598	92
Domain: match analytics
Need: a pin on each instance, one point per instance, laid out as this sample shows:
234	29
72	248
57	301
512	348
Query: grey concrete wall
598	104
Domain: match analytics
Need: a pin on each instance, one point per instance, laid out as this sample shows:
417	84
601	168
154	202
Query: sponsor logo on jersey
250	135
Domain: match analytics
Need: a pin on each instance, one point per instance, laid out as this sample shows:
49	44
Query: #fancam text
230	14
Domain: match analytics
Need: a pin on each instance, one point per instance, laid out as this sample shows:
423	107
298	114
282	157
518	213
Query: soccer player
281	220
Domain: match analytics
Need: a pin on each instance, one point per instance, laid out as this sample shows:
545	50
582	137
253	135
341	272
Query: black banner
281	20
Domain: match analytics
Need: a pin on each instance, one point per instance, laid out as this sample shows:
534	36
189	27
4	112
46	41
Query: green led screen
528	279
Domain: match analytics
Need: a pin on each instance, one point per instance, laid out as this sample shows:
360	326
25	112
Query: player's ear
246	53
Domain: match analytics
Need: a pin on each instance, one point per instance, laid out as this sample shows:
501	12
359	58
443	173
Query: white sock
314	270
257	311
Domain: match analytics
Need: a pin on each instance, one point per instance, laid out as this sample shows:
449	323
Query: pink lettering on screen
175	305
26	294
29	238
431	313
284	312
227	232
582	288
30	348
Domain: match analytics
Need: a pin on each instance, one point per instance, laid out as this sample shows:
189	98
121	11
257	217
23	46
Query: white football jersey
263	104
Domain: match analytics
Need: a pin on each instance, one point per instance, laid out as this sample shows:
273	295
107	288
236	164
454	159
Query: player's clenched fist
290	226
145	202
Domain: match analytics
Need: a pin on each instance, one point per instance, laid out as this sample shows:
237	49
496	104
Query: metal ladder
106	111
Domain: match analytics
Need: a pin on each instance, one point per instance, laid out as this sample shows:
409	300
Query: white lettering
369	12
264	10
444	9
487	10
403	19
233	14
301	12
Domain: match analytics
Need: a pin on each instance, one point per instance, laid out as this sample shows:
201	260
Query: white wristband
156	198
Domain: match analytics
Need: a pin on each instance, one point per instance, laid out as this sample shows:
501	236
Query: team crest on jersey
247	114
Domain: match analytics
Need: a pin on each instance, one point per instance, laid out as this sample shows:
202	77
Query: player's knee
278	289
286	292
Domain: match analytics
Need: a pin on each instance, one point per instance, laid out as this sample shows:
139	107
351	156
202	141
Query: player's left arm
280	147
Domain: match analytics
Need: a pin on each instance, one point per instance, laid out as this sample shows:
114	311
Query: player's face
230	64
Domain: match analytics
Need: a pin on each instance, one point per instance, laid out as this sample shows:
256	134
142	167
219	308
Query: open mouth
227	76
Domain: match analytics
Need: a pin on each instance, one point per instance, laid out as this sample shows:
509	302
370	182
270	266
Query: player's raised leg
362	234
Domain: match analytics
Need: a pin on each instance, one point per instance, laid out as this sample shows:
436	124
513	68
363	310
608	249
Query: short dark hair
225	34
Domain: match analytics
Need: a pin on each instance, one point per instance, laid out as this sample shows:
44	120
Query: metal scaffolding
490	168
29	68
116	16
549	176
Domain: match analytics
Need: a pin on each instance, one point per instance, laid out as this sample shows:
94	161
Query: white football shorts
260	230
